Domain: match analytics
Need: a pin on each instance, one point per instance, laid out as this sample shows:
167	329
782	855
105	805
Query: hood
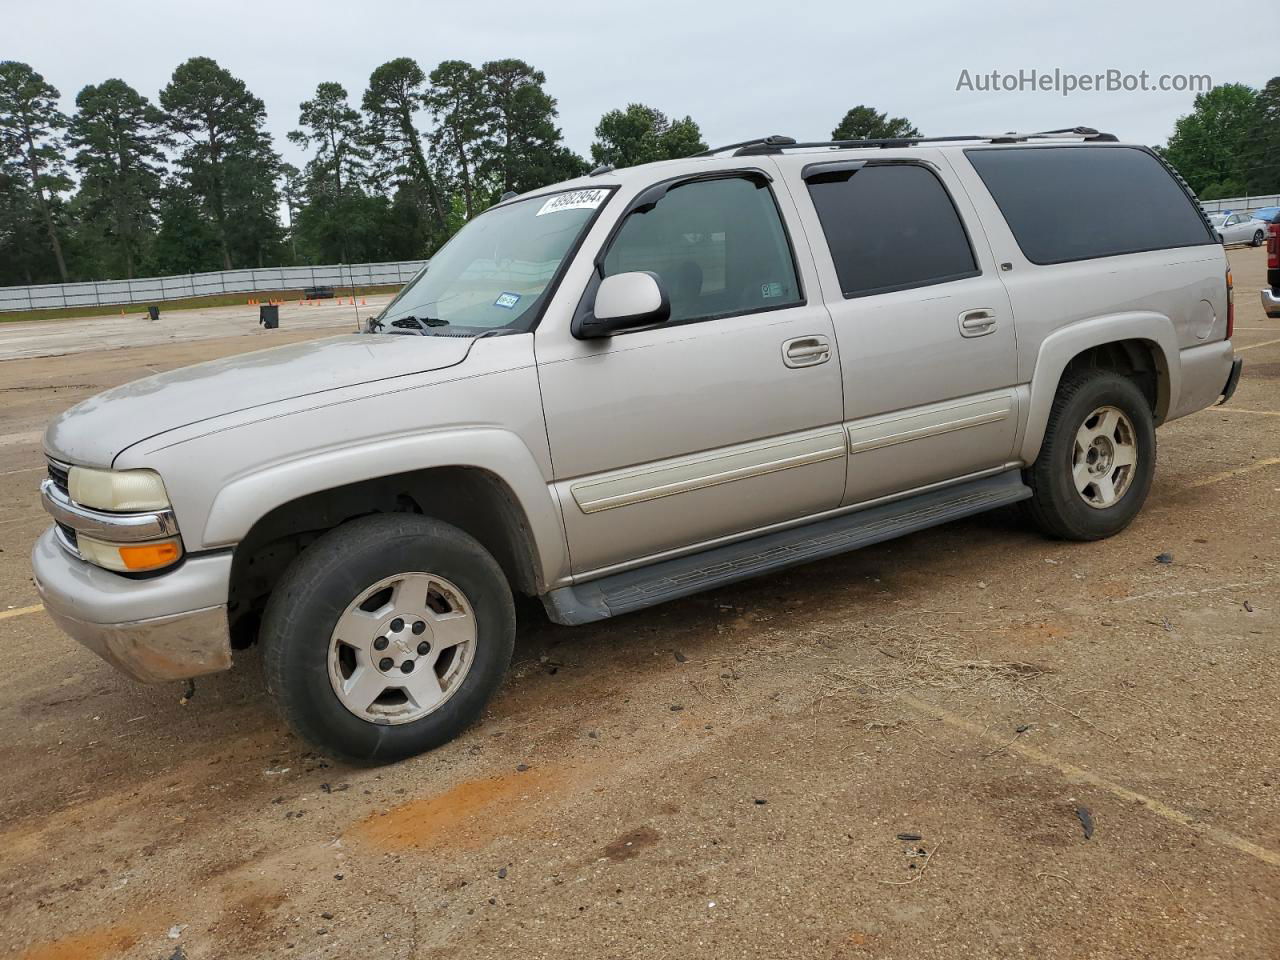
95	431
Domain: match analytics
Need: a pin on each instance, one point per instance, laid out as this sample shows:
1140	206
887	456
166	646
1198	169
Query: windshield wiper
424	323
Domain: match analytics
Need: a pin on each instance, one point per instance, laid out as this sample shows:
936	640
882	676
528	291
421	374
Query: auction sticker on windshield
574	200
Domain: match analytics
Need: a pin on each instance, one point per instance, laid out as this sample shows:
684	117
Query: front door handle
806	351
977	323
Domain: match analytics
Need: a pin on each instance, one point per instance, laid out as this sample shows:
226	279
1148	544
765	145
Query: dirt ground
726	776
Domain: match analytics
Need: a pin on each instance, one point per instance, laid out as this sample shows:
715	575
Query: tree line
124	187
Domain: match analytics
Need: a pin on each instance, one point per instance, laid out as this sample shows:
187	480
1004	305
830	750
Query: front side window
890	227
717	246
497	270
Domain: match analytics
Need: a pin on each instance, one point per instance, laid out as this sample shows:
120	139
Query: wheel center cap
400	643
1101	454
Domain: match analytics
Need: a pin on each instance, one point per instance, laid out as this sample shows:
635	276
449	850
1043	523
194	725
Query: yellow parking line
1231	474
1255	346
1081	775
20	611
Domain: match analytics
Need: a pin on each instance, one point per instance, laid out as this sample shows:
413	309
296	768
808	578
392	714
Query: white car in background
1238	228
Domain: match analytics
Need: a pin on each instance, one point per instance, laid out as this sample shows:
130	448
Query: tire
1258	237
1113	495
368	575
1220	239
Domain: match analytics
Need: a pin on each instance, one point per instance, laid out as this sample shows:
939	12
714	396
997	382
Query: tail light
1273	247
1231	305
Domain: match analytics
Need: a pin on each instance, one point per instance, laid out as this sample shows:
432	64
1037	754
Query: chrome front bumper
172	626
1270	303
116	527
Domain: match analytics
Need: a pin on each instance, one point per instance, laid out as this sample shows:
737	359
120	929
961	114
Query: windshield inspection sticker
574	200
507	300
768	290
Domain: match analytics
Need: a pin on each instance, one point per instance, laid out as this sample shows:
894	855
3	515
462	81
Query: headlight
130	557
118	491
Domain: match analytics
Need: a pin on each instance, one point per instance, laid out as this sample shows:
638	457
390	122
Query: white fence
156	289
1241	204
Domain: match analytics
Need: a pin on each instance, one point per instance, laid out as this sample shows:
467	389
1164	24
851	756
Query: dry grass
930	663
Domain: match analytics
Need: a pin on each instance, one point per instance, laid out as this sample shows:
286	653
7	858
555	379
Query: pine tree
31	129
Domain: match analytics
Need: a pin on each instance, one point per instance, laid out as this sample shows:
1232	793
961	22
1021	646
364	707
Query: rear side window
890	227
718	247
1077	203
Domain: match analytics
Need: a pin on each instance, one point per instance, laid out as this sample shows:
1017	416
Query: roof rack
777	143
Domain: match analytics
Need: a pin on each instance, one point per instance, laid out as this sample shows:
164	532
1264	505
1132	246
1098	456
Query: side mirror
626	301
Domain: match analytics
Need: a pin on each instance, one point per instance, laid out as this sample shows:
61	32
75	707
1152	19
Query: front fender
1060	347
245	500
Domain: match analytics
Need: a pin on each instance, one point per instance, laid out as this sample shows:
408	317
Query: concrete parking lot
731	775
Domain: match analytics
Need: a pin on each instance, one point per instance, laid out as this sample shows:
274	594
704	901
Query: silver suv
634	386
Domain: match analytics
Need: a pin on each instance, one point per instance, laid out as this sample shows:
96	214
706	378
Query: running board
679	577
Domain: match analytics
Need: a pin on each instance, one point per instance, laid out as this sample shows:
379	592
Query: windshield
495	271
1217	218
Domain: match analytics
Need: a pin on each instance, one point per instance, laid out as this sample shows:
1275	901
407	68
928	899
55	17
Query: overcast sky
740	69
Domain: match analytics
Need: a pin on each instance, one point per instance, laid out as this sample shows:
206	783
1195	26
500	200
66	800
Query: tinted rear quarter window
1077	203
890	227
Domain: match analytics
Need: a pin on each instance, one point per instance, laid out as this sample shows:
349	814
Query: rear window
890	227
1078	203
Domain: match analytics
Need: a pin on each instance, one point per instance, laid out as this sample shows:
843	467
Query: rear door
922	320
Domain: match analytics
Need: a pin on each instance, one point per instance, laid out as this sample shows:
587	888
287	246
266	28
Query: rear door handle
806	351
977	323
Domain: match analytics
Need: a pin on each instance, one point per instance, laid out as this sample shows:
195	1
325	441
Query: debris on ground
680	657
176	930
910	836
1248	607
1022	728
1086	820
521	767
188	692
502	873
1164	558
677	707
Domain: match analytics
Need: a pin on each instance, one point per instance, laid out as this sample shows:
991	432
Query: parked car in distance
1267	215
1238	228
633	386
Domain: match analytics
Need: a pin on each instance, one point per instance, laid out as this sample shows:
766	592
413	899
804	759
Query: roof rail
777	143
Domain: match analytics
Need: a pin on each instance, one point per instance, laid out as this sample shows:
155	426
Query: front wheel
387	637
1097	460
1258	237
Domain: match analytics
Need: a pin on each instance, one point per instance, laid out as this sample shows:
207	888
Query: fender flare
1064	344
248	498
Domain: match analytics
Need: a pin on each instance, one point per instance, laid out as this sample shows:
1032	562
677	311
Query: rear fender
1066	343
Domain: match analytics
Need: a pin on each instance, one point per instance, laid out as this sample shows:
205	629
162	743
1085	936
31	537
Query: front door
723	420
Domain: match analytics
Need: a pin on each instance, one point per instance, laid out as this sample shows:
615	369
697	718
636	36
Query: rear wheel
387	637
1098	458
1258	237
